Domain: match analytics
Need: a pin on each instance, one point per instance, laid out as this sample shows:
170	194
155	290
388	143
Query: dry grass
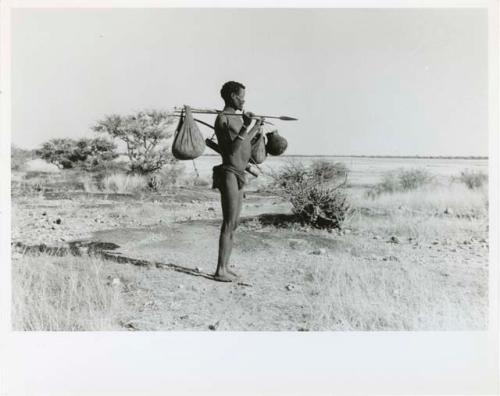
436	198
88	183
122	183
359	295
64	294
441	212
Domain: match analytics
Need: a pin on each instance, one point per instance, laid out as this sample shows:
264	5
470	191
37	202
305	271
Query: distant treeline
377	156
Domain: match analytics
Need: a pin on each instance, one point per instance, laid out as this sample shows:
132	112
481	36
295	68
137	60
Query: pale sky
361	81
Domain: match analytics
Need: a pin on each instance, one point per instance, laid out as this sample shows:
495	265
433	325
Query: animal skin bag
188	143
258	149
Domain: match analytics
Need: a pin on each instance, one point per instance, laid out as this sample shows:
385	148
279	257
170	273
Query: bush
322	207
473	179
94	154
59	152
313	202
325	171
401	180
412	179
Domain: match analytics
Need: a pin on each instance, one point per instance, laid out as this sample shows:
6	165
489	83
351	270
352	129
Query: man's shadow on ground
106	251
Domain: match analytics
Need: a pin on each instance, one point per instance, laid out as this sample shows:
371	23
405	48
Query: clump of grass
401	180
63	294
123	183
472	179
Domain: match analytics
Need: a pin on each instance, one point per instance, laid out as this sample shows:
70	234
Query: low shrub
313	202
322	207
401	180
124	184
473	179
412	179
325	171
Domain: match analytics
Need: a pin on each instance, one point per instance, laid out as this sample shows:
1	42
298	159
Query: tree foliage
145	134
91	154
86	153
59	152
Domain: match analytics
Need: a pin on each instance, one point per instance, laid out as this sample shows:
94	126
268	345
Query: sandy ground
293	278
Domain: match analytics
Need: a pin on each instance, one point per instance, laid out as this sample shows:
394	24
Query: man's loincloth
219	174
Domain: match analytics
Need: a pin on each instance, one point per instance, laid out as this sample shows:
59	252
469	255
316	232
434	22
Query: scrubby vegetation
326	171
314	201
401	180
92	165
473	179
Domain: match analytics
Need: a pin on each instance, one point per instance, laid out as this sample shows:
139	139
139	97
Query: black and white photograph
256	170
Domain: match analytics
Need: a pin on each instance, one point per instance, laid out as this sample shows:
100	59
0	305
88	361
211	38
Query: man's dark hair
229	88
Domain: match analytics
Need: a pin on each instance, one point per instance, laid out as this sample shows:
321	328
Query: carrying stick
213	111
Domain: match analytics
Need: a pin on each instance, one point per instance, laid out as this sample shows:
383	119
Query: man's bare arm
238	136
244	134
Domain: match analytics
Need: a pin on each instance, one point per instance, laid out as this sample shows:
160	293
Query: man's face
239	99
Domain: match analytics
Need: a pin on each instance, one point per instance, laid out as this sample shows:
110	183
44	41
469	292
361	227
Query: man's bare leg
237	222
231	202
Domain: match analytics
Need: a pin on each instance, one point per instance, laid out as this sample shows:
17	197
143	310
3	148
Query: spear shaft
213	111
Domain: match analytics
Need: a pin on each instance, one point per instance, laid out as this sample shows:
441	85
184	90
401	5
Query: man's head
233	94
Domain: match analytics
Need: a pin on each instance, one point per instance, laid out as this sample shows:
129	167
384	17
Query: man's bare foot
226	276
223	278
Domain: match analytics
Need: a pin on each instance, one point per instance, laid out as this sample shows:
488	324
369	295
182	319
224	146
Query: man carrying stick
234	138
